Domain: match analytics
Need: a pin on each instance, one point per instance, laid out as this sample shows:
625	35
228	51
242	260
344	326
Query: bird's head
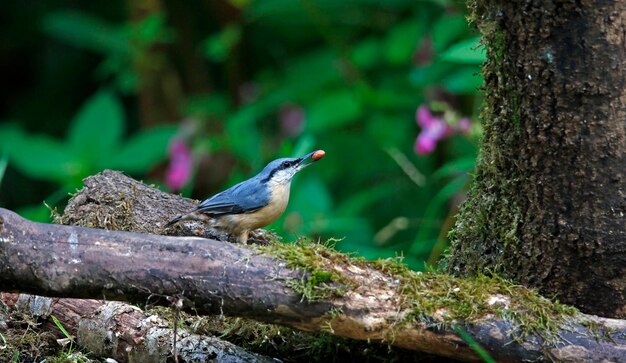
281	171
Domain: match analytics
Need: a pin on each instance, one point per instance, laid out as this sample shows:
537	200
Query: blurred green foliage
93	86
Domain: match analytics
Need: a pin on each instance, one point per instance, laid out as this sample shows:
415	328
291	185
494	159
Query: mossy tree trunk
548	204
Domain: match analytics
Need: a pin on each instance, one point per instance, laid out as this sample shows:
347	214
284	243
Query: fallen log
303	286
217	277
123	332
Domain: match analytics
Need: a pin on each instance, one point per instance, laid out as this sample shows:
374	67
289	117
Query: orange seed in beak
318	155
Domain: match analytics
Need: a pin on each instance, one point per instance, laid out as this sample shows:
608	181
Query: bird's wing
244	197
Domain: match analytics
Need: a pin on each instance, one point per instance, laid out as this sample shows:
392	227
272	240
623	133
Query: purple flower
179	170
424	118
434	129
428	138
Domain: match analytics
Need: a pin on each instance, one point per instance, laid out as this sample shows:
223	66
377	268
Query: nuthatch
253	203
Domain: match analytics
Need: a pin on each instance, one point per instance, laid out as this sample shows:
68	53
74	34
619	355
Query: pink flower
428	138
424	118
434	129
179	170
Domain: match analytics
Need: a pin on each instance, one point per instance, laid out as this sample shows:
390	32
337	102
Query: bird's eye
287	164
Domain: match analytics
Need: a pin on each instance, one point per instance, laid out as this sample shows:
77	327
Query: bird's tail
173	221
195	216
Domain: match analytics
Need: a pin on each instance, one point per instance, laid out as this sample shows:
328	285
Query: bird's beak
306	160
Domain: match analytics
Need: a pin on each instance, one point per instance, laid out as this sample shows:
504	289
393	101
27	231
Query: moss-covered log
123	332
306	286
548	204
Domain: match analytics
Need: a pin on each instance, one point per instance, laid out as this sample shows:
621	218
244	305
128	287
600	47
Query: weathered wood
217	277
123	332
68	261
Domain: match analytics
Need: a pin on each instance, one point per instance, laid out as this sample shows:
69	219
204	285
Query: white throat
282	177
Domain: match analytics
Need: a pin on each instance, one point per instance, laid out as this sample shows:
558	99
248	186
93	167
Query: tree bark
123	332
548	203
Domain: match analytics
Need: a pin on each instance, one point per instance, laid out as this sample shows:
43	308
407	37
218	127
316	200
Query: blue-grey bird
253	203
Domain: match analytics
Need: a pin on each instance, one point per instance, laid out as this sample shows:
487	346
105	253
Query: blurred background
195	96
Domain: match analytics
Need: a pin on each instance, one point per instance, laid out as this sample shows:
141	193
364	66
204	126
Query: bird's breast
278	200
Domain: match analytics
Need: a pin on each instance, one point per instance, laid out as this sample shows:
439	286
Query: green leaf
97	128
402	41
465	80
153	28
218	46
312	196
44	158
379	130
85	31
212	105
431	74
468	51
366	54
243	135
305	144
358	201
143	150
333	110
474	344
454	167
38	156
10	133
36	213
310	207
61	327
309	74
447	30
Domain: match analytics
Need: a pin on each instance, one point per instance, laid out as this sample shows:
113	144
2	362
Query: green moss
599	332
319	280
390	266
487	235
21	339
292	345
451	299
431	298
24	341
